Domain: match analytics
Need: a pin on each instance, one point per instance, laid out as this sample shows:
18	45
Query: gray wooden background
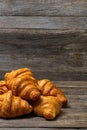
49	37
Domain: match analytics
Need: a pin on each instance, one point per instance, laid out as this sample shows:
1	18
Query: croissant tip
29	109
34	95
49	115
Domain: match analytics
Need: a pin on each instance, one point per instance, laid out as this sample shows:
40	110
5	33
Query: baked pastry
20	93
13	106
19	72
47	106
3	87
23	84
47	88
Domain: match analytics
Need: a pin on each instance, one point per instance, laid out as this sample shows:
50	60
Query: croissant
19	72
12	106
3	87
47	106
23	84
47	88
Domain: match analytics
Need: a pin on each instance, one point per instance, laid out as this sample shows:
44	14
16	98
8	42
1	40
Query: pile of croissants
21	93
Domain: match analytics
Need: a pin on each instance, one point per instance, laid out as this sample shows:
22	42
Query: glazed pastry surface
47	88
23	84
3	87
21	93
13	106
48	107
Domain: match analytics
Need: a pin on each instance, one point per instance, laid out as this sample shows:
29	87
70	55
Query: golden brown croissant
23	84
19	72
47	88
47	106
3	87
12	106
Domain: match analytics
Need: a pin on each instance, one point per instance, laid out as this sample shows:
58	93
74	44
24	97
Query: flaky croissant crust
18	72
47	106
3	87
19	89
13	106
23	84
47	88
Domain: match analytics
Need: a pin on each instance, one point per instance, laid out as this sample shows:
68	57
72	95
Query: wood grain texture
43	7
41	129
70	84
49	37
54	54
53	76
40	22
15	61
73	116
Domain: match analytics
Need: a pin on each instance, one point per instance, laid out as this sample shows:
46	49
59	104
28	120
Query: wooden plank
76	103
47	64
44	7
40	22
73	84
54	54
71	91
42	129
77	106
67	76
73	116
54	42
43	70
45	43
41	122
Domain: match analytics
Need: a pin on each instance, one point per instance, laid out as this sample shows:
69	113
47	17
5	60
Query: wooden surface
43	22
50	37
73	116
43	7
57	55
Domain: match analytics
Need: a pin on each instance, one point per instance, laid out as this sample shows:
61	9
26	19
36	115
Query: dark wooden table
49	37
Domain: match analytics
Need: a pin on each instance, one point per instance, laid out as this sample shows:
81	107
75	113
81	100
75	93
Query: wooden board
54	54
43	7
41	129
49	37
40	22
73	116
